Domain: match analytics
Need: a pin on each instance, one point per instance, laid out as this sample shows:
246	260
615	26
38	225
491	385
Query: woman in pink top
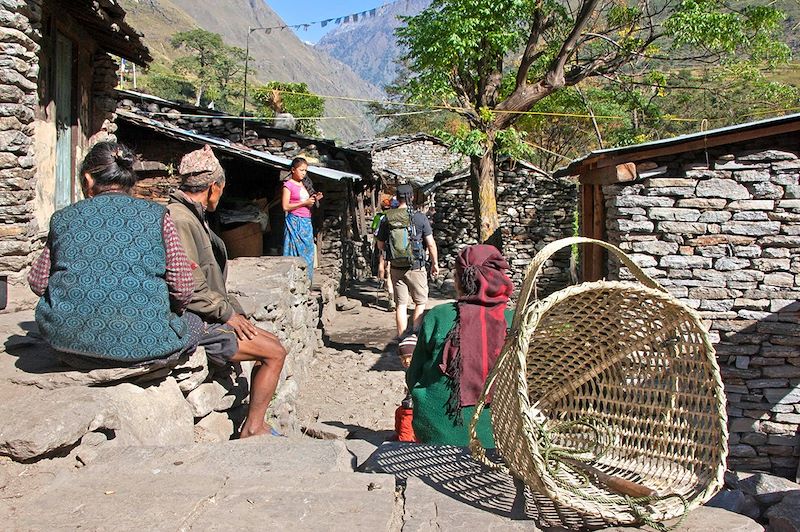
298	197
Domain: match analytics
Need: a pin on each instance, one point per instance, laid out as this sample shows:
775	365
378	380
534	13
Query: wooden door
63	96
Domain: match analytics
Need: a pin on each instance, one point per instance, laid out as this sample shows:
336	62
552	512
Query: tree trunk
484	200
199	96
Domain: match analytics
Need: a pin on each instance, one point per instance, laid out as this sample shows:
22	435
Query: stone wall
275	294
724	237
104	99
418	161
534	210
20	35
27	132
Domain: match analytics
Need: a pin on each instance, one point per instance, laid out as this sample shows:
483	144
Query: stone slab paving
447	490
707	519
427	509
243	485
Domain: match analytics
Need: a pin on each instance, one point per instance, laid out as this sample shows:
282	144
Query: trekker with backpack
405	235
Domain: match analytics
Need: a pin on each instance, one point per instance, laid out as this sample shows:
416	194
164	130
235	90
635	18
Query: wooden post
361	214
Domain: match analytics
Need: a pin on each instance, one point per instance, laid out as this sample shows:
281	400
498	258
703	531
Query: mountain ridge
278	55
369	46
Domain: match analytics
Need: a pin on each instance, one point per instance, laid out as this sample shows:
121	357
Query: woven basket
607	398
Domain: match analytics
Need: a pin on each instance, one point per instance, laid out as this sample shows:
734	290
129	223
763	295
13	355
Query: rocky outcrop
57	410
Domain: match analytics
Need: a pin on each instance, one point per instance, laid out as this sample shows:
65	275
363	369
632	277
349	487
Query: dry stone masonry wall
724	237
419	161
20	35
533	211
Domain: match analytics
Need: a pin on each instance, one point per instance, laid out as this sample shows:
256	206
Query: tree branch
538	26
525	95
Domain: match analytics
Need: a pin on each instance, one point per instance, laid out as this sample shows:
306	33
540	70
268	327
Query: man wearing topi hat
202	184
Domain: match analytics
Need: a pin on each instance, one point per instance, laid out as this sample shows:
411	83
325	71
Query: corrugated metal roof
673	141
226	146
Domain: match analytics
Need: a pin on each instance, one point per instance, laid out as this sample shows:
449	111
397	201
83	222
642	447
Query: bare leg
390	287
269	355
401	317
417	316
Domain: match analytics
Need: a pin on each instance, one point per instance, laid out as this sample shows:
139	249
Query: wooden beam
700	143
607	175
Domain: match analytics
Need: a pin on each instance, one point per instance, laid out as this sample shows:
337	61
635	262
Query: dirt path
356	382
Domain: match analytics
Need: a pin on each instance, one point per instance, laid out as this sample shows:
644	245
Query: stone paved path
356	383
295	483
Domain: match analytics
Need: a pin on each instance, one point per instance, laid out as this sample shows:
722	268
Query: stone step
177	498
250	456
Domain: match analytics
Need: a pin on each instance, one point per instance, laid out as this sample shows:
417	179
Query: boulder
42	422
767	489
193	371
215	427
785	516
39	422
203	399
156	415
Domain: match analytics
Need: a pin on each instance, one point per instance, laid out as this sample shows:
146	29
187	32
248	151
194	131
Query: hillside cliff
278	55
369	46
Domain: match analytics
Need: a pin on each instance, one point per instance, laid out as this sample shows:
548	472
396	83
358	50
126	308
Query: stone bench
53	407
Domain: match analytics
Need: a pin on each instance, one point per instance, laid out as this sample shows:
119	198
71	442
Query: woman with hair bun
113	278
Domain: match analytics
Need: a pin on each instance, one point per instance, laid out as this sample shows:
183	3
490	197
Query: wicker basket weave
607	398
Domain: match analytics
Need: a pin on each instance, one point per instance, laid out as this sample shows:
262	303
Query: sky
305	11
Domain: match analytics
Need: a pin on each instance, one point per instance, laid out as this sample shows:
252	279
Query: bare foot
257	431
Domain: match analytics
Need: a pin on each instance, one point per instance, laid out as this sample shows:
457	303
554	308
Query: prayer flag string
345	19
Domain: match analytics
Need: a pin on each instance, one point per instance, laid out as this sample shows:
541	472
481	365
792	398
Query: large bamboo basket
607	398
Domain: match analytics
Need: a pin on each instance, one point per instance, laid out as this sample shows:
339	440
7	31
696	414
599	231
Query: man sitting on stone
202	184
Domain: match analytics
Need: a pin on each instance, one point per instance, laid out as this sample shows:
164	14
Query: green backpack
401	238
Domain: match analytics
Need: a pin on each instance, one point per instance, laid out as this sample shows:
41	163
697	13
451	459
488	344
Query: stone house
414	159
348	254
56	85
715	218
252	193
534	209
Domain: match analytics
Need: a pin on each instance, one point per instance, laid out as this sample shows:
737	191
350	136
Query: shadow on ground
33	354
453	472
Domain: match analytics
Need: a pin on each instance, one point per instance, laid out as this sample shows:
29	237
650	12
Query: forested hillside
275	56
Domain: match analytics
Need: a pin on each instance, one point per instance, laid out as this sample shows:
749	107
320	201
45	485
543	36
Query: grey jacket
204	248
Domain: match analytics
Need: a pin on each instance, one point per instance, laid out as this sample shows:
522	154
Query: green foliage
465	35
456	48
213	67
466	141
166	84
306	107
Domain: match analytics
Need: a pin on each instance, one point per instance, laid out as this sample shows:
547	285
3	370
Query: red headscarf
477	337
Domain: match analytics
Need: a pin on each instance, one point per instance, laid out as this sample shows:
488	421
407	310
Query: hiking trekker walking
405	235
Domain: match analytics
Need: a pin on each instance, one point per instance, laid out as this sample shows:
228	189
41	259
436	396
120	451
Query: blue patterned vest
106	296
